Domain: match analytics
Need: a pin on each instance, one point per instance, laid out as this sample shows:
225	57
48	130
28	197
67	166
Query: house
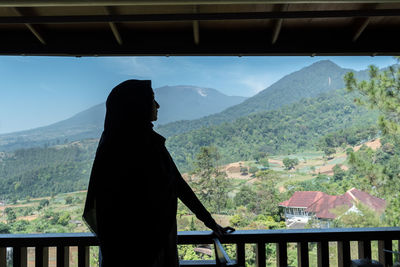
304	205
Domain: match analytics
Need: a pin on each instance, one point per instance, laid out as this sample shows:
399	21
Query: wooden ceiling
208	27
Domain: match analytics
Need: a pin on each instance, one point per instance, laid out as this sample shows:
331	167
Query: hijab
128	114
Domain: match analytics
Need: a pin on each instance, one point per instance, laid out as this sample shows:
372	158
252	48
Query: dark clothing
132	197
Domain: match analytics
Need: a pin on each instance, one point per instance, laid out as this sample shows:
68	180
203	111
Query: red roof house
302	199
322	206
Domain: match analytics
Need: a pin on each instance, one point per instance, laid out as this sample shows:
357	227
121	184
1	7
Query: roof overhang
212	27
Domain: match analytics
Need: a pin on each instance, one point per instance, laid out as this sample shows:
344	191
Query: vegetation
293	128
42	171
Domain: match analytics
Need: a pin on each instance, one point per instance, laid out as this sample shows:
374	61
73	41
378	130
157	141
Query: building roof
375	203
324	206
302	199
199	27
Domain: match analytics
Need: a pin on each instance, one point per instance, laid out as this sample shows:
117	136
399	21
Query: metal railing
322	237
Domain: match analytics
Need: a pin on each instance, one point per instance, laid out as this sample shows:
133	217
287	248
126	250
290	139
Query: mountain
320	77
38	171
177	103
191	102
85	124
292	128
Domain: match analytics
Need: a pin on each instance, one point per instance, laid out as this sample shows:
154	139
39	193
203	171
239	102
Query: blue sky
37	91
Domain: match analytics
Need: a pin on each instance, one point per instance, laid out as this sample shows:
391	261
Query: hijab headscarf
128	113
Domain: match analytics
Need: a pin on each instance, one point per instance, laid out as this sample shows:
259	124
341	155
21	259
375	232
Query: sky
38	91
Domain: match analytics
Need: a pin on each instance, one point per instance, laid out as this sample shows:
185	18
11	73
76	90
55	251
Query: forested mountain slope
43	171
295	127
322	76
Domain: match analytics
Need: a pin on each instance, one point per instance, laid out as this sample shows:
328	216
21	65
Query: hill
177	102
292	128
42	171
322	76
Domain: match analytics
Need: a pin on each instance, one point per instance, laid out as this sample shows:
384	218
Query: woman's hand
220	231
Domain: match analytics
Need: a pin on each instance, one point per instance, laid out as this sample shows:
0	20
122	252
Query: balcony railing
341	236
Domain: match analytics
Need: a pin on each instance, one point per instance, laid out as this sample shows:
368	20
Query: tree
11	216
253	170
210	183
246	197
43	203
68	200
329	151
381	92
381	168
290	163
264	162
64	219
259	155
338	173
4	228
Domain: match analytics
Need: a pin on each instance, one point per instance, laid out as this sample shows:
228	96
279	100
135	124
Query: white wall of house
291	212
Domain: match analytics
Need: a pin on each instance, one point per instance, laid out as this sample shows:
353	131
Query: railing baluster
386	258
323	253
83	256
260	255
240	254
281	254
41	257
3	256
364	249
397	256
20	257
302	254
343	253
62	256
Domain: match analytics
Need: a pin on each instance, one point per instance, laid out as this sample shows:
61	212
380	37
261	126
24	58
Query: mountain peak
325	63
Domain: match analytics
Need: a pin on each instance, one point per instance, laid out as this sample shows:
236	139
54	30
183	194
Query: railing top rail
48	239
294	235
204	237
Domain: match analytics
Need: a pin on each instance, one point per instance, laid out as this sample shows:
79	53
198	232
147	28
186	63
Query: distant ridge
177	103
187	102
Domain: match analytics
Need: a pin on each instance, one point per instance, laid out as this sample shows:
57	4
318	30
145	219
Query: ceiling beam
32	28
113	26
196	28
53	3
278	25
202	16
276	30
362	26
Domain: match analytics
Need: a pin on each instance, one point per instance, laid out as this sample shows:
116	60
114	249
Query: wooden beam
113	26
196	28
363	24
29	26
53	3
276	30
202	16
278	24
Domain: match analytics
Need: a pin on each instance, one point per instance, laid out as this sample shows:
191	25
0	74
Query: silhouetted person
134	185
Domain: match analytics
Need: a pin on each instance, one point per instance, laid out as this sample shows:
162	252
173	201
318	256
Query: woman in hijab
134	185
